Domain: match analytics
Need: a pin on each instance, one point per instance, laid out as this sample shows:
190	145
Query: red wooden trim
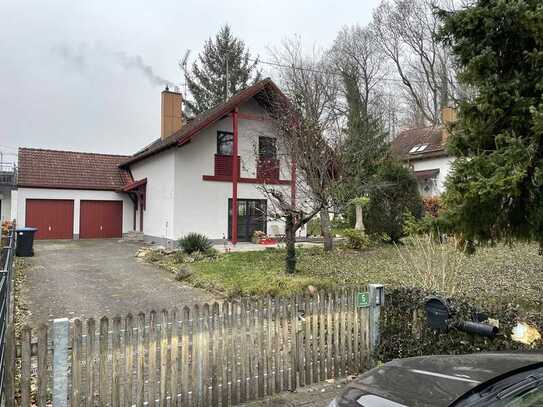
217	114
135	185
221	178
256	117
235	177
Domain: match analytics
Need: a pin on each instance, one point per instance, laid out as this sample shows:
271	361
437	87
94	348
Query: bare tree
359	59
365	105
306	127
407	32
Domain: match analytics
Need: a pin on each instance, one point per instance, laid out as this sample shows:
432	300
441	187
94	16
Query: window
225	143
418	148
267	149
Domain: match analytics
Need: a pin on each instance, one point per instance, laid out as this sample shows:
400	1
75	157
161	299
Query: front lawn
502	273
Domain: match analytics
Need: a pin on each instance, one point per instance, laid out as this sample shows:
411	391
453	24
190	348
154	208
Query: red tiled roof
71	170
407	139
185	134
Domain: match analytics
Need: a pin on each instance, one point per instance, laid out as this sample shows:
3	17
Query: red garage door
101	219
54	218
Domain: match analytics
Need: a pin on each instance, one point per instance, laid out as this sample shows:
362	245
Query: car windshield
523	389
527	397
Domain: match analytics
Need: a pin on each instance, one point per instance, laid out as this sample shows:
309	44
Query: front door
251	217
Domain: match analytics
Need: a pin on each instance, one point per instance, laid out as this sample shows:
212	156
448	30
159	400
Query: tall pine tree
496	188
208	82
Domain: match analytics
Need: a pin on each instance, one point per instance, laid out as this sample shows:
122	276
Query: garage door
101	219
54	218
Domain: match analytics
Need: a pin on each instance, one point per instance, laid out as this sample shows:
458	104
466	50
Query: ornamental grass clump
431	264
194	242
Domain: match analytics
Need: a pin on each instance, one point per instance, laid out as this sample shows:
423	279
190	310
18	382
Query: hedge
405	333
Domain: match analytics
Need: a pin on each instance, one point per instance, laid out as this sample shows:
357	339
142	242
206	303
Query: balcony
8	175
267	172
223	165
267	169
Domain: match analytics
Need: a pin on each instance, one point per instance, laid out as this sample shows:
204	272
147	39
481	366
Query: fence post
377	300
61	332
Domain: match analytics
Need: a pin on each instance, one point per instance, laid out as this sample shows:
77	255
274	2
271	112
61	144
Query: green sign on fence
363	300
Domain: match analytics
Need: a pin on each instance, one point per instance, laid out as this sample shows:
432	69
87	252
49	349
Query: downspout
235	177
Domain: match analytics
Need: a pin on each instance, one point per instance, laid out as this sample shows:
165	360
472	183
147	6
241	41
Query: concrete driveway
93	278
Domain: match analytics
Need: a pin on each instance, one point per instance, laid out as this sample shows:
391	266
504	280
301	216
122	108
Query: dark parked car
483	379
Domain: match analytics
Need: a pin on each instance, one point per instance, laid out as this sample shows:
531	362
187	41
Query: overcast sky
86	75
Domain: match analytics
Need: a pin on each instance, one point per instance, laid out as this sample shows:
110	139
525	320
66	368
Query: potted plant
258	235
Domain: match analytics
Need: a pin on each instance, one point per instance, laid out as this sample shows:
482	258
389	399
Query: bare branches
406	31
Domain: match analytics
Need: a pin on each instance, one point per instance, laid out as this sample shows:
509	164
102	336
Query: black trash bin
25	242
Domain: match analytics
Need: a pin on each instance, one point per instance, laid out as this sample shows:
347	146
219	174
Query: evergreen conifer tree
495	191
223	68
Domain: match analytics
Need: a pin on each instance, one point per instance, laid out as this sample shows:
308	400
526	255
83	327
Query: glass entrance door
251	217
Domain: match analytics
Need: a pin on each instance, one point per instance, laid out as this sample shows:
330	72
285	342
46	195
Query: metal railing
8	174
6	309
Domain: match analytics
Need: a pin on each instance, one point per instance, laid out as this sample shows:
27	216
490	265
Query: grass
504	273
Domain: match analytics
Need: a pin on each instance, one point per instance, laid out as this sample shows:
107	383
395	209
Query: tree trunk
290	240
359	225
326	228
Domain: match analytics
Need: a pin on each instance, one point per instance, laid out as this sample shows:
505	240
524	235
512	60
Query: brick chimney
448	117
171	113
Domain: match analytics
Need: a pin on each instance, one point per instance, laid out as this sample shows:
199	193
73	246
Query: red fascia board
223	178
135	185
227	109
219	114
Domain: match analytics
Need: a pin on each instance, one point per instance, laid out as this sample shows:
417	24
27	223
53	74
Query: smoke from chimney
83	56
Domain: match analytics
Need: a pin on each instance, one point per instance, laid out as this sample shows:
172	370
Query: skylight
418	148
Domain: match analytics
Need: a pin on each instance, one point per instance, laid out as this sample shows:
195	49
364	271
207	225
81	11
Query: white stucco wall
441	163
202	206
5	209
13	214
77	196
158	217
179	201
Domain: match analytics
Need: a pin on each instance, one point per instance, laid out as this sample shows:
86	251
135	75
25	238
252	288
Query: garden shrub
356	239
194	242
314	227
153	256
394	192
432	206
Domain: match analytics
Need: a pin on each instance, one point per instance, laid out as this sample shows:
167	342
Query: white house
424	150
185	181
7	185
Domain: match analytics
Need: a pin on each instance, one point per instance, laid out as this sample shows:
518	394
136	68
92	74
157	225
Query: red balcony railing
267	169
223	165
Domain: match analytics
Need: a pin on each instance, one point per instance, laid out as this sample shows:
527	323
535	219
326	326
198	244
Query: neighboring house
185	181
8	182
424	150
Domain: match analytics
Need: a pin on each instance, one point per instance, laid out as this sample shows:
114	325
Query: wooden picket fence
211	355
